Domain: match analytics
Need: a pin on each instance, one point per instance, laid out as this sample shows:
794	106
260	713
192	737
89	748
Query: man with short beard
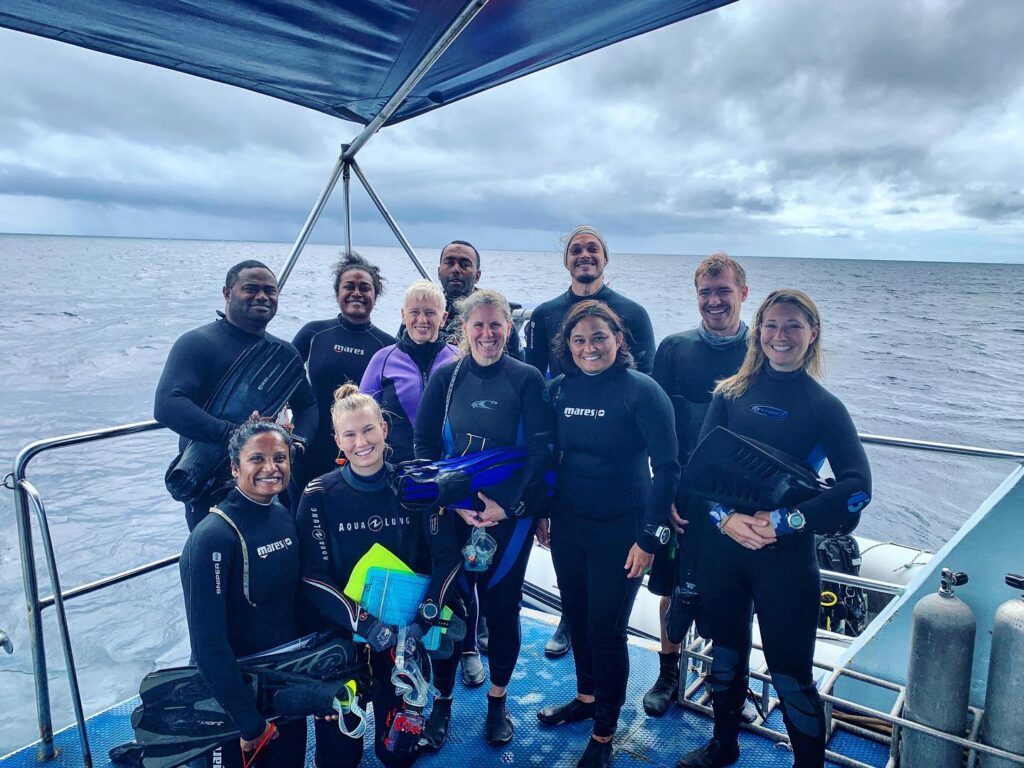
200	358
585	257
687	366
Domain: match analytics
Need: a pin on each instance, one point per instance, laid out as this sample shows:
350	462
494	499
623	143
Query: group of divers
592	426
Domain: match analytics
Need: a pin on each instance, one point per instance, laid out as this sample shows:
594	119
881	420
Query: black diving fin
455	482
747	475
180	719
262	379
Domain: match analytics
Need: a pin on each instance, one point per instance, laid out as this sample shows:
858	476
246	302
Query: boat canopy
347	58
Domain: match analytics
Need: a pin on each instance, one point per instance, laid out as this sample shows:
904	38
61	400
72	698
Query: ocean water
920	350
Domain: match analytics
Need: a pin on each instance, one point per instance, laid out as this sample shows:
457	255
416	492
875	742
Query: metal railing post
389	219
35	623
62	618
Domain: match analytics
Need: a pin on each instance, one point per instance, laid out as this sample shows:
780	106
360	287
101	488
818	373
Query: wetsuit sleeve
838	509
643	342
538	422
371	381
318	582
305	414
655	422
717	416
445	555
175	405
210	552
430	416
537	342
663	371
303	341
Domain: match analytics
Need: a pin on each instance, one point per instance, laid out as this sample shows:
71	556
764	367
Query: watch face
664	534
796	520
429	611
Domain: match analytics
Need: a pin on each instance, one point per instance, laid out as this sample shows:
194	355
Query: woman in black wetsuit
237	604
486	400
341	516
337	351
766	562
614	426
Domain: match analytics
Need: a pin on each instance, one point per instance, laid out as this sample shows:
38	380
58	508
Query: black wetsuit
341	516
336	351
792	413
230	616
452	330
196	364
546	320
504	404
613	429
687	368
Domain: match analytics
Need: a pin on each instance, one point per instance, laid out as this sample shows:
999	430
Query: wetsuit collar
422	354
723	342
365	483
774	375
251	500
600	294
487	371
235	330
348	325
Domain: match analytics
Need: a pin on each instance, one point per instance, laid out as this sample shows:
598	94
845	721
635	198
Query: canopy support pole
466	15
386	214
348	151
346	187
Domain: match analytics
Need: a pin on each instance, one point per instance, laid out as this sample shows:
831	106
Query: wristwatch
796	519
662	533
429	611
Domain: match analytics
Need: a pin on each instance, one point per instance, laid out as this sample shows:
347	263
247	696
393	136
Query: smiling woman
237	605
338	351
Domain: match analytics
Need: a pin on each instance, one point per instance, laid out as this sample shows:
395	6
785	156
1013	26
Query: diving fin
180	719
262	379
747	475
455	482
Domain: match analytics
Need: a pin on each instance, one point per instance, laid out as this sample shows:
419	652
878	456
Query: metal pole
930	445
460	22
62	619
311	220
35	624
389	219
346	186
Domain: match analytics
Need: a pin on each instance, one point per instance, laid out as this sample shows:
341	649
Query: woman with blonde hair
342	514
765	561
487	400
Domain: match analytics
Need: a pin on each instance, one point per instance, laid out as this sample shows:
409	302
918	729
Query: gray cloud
869	121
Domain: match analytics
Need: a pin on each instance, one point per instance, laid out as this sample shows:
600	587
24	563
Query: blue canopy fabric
346	57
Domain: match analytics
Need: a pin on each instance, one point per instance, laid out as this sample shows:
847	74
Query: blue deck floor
642	742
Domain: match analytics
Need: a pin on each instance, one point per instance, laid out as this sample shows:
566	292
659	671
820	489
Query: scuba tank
1002	725
938	676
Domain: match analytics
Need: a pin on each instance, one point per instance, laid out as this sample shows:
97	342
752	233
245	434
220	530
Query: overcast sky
869	129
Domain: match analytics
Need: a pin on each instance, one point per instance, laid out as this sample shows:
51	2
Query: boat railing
27	500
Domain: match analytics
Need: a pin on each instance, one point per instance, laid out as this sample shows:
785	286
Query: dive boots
473	672
499	728
572	712
436	729
712	755
666	688
598	754
558	644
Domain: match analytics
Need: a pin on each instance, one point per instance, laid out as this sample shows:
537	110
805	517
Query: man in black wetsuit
200	358
687	365
586	256
459	272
